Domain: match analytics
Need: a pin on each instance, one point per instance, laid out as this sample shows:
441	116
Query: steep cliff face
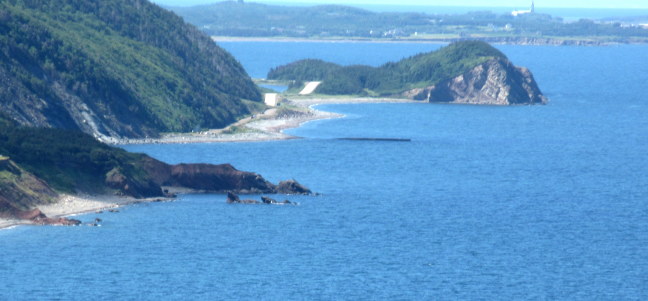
115	68
495	82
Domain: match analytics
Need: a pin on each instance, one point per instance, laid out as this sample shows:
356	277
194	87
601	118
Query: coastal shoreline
525	41
268	126
72	205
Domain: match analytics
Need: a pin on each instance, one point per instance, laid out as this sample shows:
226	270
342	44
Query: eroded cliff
495	82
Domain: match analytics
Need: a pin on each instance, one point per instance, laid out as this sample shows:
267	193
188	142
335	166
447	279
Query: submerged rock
267	200
234	199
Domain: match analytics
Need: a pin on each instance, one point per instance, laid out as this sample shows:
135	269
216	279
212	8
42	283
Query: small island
467	72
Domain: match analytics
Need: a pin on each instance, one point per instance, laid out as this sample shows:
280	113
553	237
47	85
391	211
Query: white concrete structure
272	99
309	88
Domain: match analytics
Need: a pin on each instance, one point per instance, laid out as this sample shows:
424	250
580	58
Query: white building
516	13
272	99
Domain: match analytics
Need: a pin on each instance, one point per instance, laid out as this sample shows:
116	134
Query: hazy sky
479	3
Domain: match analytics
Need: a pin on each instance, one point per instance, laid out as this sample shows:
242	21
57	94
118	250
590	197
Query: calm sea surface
485	203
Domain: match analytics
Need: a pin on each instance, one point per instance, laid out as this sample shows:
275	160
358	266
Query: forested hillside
115	68
392	78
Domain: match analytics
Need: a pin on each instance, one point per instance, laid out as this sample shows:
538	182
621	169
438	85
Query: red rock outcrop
132	187
216	178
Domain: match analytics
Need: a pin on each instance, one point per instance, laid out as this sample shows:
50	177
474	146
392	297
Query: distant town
526	26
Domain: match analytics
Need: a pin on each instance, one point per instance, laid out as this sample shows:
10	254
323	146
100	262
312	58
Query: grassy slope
69	161
20	190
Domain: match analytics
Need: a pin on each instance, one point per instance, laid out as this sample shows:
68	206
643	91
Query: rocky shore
168	180
27	200
60	213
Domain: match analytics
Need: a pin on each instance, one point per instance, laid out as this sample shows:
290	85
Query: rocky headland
468	72
132	179
494	82
22	193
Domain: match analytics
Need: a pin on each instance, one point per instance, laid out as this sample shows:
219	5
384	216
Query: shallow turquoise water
529	202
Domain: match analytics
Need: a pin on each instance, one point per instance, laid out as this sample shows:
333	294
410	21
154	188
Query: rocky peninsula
467	72
51	166
494	82
26	199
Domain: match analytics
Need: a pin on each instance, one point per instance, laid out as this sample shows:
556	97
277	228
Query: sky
643	4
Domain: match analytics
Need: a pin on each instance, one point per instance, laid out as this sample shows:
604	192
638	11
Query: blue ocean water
484	203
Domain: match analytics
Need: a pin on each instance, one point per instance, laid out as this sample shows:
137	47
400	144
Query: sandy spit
268	126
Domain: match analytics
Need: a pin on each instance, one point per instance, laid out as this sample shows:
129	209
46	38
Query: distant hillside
247	19
465	72
115	68
232	18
